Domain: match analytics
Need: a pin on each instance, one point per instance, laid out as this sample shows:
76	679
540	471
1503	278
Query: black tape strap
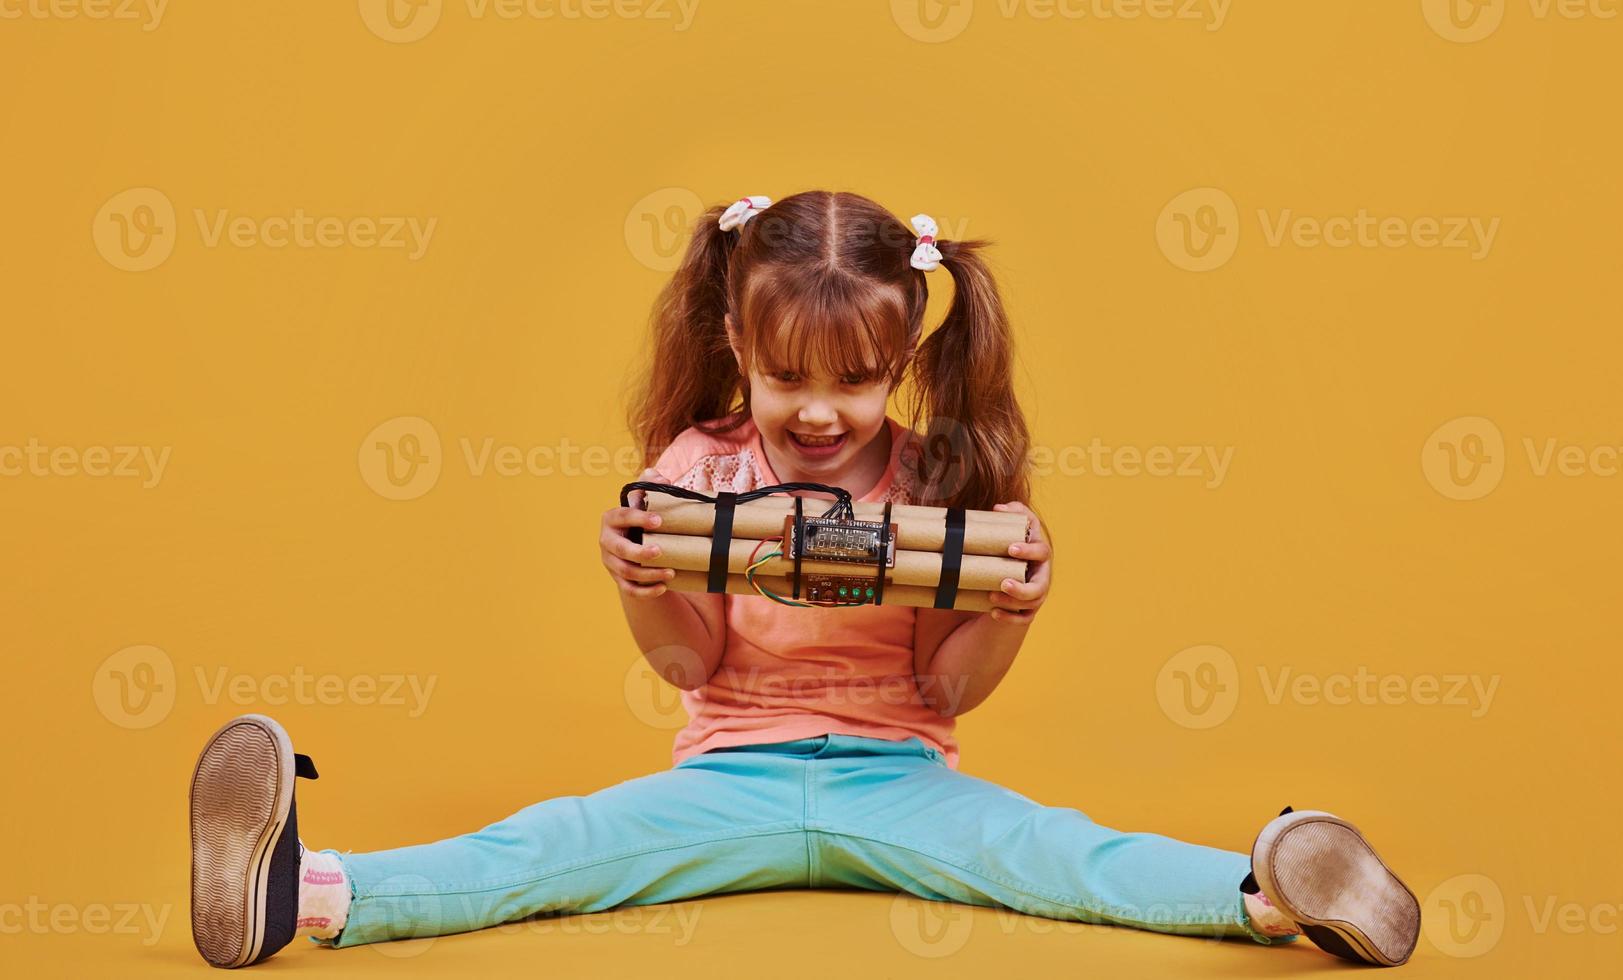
797	544
952	559
721	541
884	548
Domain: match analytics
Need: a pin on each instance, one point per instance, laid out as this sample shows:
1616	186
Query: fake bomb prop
804	552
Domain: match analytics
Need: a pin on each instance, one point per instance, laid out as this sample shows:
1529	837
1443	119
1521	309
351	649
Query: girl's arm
682	634
960	657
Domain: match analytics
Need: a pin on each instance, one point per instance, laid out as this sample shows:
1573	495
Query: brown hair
825	277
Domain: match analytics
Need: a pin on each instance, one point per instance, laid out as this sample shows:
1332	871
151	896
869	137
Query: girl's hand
621	555
1019	601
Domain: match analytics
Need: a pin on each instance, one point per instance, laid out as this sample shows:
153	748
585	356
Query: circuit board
833	539
839	588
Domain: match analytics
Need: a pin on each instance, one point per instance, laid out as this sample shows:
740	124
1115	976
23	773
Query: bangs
825	324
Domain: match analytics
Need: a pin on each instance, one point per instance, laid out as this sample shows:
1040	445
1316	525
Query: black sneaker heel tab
303	767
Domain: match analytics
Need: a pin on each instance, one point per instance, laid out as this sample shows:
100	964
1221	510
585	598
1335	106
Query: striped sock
323	894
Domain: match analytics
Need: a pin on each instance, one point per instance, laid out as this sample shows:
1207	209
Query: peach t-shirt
789	673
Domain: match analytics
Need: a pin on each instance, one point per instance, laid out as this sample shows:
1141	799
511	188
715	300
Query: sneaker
1319	871
245	842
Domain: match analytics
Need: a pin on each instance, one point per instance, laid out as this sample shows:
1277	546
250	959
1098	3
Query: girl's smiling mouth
818	446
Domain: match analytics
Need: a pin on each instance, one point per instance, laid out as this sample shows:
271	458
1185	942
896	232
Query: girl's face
820	428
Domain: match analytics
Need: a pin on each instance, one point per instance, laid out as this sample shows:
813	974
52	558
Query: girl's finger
1022	590
1037	550
1015	618
1008	603
623	547
643	591
642	574
631	517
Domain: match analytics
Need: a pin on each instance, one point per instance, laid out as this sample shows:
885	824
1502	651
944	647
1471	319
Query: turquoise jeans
827	812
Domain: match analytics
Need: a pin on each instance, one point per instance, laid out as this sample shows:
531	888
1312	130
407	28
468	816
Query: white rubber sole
242	789
1318	869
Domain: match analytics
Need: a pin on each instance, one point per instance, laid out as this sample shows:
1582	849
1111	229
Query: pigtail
692	376
975	443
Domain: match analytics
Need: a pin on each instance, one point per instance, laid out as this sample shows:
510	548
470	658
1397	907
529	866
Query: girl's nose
817	414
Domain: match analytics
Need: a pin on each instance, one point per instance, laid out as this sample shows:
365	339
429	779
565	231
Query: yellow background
547	151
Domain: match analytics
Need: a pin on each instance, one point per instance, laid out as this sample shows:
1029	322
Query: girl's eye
787	377
857	379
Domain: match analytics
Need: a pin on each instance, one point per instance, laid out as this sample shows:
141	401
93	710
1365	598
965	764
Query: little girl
820	749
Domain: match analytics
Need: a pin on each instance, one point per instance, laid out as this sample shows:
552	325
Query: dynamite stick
688	552
830	554
918	528
895	595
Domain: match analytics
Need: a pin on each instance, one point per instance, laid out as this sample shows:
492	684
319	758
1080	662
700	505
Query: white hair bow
742	210
925	256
